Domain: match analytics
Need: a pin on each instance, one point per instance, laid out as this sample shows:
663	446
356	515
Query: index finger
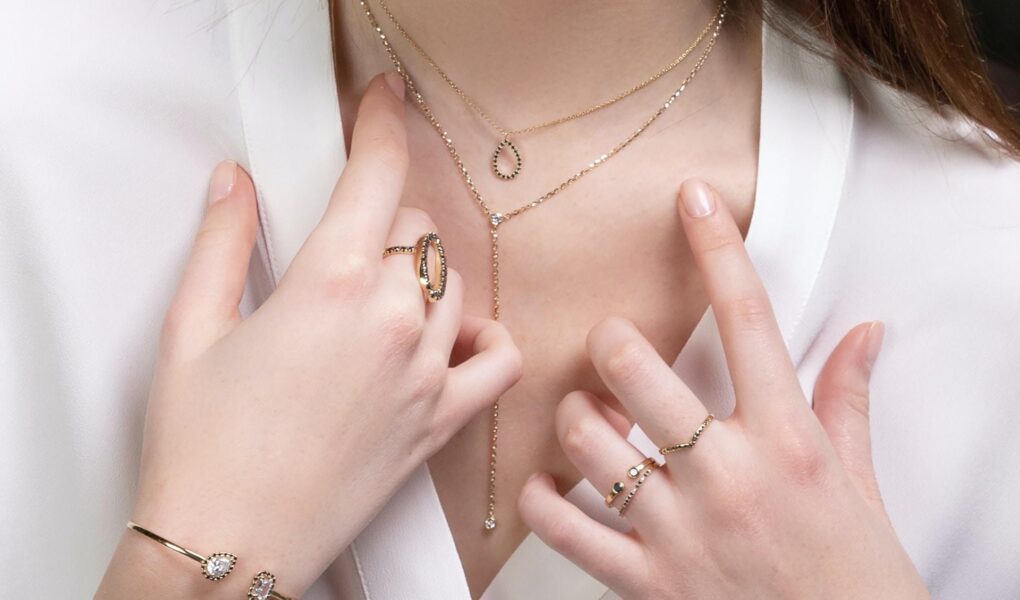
365	200
756	354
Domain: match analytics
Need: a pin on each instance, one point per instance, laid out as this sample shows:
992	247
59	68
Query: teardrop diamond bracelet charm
218	565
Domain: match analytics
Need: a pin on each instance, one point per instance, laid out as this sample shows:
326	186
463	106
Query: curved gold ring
433	290
615	490
634	471
637	486
694	438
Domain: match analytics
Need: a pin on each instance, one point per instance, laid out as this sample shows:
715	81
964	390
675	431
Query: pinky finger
608	555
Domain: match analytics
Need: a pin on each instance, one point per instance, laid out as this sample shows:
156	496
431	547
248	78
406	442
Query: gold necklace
505	144
496	219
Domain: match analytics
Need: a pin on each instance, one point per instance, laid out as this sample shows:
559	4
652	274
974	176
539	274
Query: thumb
206	303
842	405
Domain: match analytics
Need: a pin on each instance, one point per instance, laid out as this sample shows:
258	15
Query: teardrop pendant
503	145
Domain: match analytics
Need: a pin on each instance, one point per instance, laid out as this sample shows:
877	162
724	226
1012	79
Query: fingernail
222	182
698	198
396	83
876	333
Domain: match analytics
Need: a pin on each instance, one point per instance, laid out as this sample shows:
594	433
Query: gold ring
694	438
637	486
434	291
634	471
615	490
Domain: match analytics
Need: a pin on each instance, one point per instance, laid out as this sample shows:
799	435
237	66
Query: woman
880	218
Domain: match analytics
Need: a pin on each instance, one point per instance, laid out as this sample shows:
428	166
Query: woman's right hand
279	436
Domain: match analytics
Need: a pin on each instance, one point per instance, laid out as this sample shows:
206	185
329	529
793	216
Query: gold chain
505	143
496	219
506	131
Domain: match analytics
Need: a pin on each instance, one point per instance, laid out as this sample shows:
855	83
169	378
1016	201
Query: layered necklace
505	144
493	219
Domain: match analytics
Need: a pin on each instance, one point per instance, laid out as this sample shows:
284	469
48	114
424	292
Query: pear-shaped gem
218	565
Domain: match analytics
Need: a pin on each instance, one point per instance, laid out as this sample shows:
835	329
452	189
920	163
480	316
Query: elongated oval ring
434	290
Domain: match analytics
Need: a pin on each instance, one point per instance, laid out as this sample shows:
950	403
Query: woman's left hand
776	501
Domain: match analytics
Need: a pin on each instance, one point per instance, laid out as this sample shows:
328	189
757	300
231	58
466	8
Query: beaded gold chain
494	219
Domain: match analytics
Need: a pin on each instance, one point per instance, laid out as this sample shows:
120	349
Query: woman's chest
610	245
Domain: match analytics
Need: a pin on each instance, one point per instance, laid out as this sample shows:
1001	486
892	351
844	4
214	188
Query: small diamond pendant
506	144
490	524
219	565
496	219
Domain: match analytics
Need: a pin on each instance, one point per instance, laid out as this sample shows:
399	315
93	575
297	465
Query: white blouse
112	113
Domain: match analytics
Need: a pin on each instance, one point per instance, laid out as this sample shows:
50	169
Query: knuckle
390	151
803	461
349	276
579	437
626	362
432	373
415	219
720	244
751	313
562	534
403	324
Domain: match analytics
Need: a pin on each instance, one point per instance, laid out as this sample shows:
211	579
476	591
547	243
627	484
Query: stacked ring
433	290
637	486
640	472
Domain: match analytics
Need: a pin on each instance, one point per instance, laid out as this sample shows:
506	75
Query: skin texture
776	501
610	245
278	437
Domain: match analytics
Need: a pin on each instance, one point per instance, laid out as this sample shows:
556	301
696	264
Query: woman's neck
571	52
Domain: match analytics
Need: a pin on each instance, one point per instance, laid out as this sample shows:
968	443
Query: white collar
296	151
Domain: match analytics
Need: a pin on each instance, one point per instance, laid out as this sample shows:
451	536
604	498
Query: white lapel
283	63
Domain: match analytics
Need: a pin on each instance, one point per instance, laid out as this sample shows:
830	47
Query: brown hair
923	47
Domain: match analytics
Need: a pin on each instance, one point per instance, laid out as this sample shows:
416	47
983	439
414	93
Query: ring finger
604	457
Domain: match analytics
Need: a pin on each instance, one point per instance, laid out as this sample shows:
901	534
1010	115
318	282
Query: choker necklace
505	144
494	220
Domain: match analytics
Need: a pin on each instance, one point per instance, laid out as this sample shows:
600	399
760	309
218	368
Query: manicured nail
396	83
874	341
698	198
222	182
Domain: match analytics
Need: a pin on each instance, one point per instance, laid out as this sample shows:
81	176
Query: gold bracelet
218	565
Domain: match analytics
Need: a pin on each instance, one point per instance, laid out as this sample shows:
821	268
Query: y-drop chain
496	219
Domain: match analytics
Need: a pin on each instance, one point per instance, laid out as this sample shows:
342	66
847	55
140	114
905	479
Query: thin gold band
694	438
262	584
215	567
637	486
615	490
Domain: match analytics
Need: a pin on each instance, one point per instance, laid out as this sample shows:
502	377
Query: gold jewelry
506	132
615	490
434	291
634	471
496	219
216	566
637	486
263	587
694	438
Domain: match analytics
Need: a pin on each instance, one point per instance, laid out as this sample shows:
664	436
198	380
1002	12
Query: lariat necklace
494	220
505	144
